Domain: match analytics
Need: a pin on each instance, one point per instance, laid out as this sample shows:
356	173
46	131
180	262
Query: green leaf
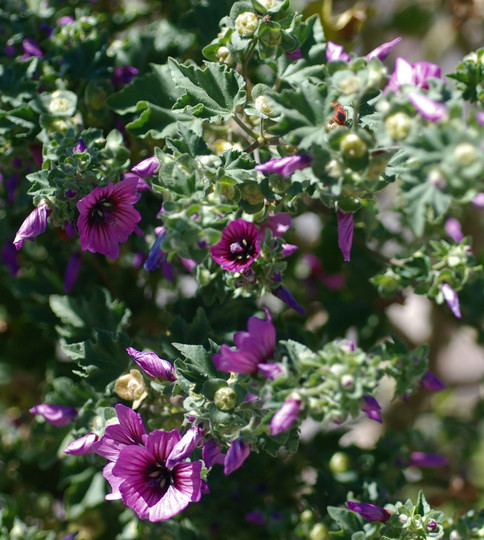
213	92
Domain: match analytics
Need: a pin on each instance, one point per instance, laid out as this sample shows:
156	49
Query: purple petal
371	512
431	382
345	233
478	201
212	454
288	249
335	53
152	364
450	296
31	48
383	50
480	117
270	370
285	416
283	294
185	446
57	415
295	54
285	166
147	167
453	229
83	445
372	408
237	453
72	272
239	246
428	108
277	223
34	224
427	460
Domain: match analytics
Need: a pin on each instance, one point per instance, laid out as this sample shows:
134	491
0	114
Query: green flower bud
224	56
353	146
398	126
225	398
226	190
465	153
267	4
247	23
350	84
278	183
263	106
271	37
319	532
251	193
306	515
339	462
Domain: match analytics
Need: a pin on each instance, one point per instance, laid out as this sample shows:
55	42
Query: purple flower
156	256
480	117
80	147
295	54
285	416
288	249
239	246
285	166
34	224
57	415
147	167
149	486
345	233
129	431
253	347
372	408
152	364
185	446
212	454
478	201
450	296
10	258
278	224
65	20
453	229
383	50
237	453
83	445
427	460
431	382
371	512
270	370
285	295
31	48
428	108
72	272
412	74
107	217
256	517
336	53
123	75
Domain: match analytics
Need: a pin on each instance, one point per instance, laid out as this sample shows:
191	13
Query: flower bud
398	125
225	398
465	153
224	56
267	4
59	104
350	84
271	37
339	462
262	105
251	193
246	23
353	146
319	532
131	387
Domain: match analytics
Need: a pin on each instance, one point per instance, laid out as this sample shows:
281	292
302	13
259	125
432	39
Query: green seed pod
251	193
398	125
353	146
247	23
225	398
271	37
339	462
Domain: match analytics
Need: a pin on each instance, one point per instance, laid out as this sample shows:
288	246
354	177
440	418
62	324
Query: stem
245	127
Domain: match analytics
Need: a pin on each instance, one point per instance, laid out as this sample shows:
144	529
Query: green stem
246	128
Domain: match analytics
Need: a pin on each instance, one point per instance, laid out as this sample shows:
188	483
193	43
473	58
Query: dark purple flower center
242	250
159	478
101	210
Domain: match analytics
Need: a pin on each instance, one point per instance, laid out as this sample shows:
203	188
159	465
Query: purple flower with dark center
185	446
212	454
453	229
84	445
285	166
295	54
107	217
57	415
285	295
34	224
372	408
237	453
431	110
123	75
383	50
371	512
427	460
72	272
412	74
431	382
152	364
147	167
31	48
286	415
450	296
152	489
253	347
127	432
336	53
345	233
239	246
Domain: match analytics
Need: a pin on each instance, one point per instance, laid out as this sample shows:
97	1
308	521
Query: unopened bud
225	398
350	84
271	37
246	24
398	125
339	462
251	193
465	153
59	104
436	178
353	146
224	56
262	105
319	532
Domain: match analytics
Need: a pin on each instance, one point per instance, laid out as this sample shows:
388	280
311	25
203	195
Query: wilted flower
383	50
84	445
336	53
152	364
427	460
431	382
34	224
239	246
371	512
286	415
237	453
147	485
131	387
372	408
253	347
450	296
428	108
107	217
57	415
412	74
285	166
345	233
